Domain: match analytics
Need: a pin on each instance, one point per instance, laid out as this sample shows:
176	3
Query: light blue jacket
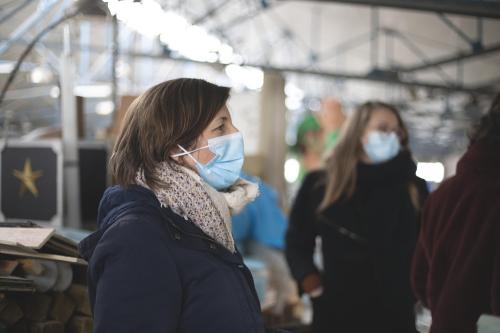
262	220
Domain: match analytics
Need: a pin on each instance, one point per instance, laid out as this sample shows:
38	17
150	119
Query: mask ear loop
185	152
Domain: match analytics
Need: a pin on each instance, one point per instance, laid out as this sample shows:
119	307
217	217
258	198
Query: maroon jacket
456	268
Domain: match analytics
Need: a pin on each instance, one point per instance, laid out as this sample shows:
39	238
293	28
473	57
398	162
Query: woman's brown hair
172	113
341	165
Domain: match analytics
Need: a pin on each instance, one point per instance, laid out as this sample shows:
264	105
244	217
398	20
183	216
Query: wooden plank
33	238
58	244
13	283
21	253
7	267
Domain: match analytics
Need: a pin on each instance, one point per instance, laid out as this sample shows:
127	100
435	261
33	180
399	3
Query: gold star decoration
28	178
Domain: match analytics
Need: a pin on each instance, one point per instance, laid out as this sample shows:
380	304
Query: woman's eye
220	128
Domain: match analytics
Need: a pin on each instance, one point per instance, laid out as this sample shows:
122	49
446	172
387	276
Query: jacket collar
189	235
400	169
119	201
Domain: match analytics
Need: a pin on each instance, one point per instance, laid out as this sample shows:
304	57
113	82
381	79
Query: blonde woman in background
364	205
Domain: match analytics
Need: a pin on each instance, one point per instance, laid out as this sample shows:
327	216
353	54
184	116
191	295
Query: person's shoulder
420	182
446	188
142	228
421	185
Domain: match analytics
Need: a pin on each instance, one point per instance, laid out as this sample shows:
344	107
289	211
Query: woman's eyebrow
219	121
222	119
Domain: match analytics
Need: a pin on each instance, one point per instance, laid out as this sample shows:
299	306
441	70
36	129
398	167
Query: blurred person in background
259	232
164	259
365	206
331	119
317	134
309	144
456	268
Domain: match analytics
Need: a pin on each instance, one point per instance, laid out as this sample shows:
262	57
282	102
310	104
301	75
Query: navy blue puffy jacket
152	271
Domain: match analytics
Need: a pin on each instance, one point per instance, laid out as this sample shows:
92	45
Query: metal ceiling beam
44	7
451	59
380	76
211	12
388	79
246	16
14	11
489	84
460	33
487	9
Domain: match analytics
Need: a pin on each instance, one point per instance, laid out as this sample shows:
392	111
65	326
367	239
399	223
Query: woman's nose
234	129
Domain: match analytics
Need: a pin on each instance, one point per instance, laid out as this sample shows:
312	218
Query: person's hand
312	285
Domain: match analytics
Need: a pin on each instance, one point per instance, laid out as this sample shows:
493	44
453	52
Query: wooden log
80	324
36	306
47	327
3	302
64	276
11	314
80	296
47	279
7	267
62	308
31	266
22	326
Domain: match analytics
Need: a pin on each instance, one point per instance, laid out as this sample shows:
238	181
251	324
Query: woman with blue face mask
364	207
163	258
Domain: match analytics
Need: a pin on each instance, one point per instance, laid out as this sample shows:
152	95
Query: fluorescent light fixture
93	90
291	169
291	90
293	103
55	92
149	19
431	171
41	74
250	77
104	108
6	67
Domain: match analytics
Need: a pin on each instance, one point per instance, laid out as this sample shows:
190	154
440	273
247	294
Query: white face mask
224	169
381	146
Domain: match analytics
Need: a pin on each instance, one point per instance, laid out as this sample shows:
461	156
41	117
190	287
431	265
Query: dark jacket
456	269
152	271
367	244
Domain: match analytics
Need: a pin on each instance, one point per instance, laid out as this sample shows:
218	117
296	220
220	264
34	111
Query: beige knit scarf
186	193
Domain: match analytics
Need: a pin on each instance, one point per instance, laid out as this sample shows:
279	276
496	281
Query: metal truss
393	74
43	8
479	8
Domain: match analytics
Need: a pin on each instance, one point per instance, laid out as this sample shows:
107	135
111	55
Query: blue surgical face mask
224	168
382	147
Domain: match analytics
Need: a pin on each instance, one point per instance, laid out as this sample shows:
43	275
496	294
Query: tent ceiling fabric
322	45
332	37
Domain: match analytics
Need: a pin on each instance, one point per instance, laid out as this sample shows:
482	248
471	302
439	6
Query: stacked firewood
49	312
42	283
